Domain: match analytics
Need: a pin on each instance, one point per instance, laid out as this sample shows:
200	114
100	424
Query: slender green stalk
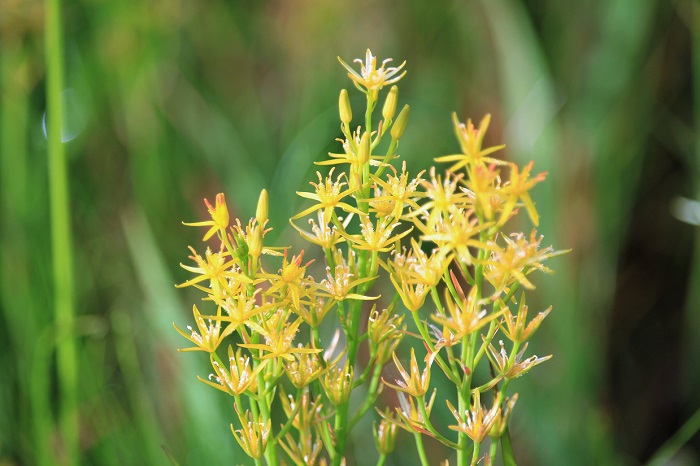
421	449
61	235
475	453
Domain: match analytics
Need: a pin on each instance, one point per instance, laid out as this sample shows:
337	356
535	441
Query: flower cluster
440	239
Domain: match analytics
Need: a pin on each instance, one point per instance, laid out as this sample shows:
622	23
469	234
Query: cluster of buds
453	268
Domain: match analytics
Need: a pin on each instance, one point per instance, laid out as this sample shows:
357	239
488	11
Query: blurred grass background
170	101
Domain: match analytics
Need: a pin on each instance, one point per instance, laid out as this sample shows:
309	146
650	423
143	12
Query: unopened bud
363	153
389	108
385	436
338	383
261	211
345	109
400	124
255	241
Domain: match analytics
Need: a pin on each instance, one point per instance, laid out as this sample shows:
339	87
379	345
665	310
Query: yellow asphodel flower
477	423
279	337
323	233
209	337
444	196
377	239
416	383
371	78
470	140
289	282
239	378
395	194
219	217
518	187
329	195
519	258
512	369
253	434
339	283
222	273
465	316
456	233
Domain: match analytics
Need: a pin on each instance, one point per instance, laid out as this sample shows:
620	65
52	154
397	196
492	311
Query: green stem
371	396
429	425
492	450
389	154
340	428
381	460
66	354
475	453
421	449
426	337
290	420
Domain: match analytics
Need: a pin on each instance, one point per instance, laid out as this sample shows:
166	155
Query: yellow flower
379	239
470	140
416	383
477	423
329	195
518	187
357	153
219	217
395	194
306	450
289	281
241	308
385	436
370	78
409	415
338	384
253	434
323	233
217	269
515	368
456	233
465	316
413	273
313	308
516	328
279	337
339	283
483	188
209	337
303	369
519	258
239	378
444	197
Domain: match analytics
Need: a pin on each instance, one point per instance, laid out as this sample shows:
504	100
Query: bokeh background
171	101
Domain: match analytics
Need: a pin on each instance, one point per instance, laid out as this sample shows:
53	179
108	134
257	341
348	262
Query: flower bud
385	436
345	109
400	125
338	384
261	211
389	108
363	153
